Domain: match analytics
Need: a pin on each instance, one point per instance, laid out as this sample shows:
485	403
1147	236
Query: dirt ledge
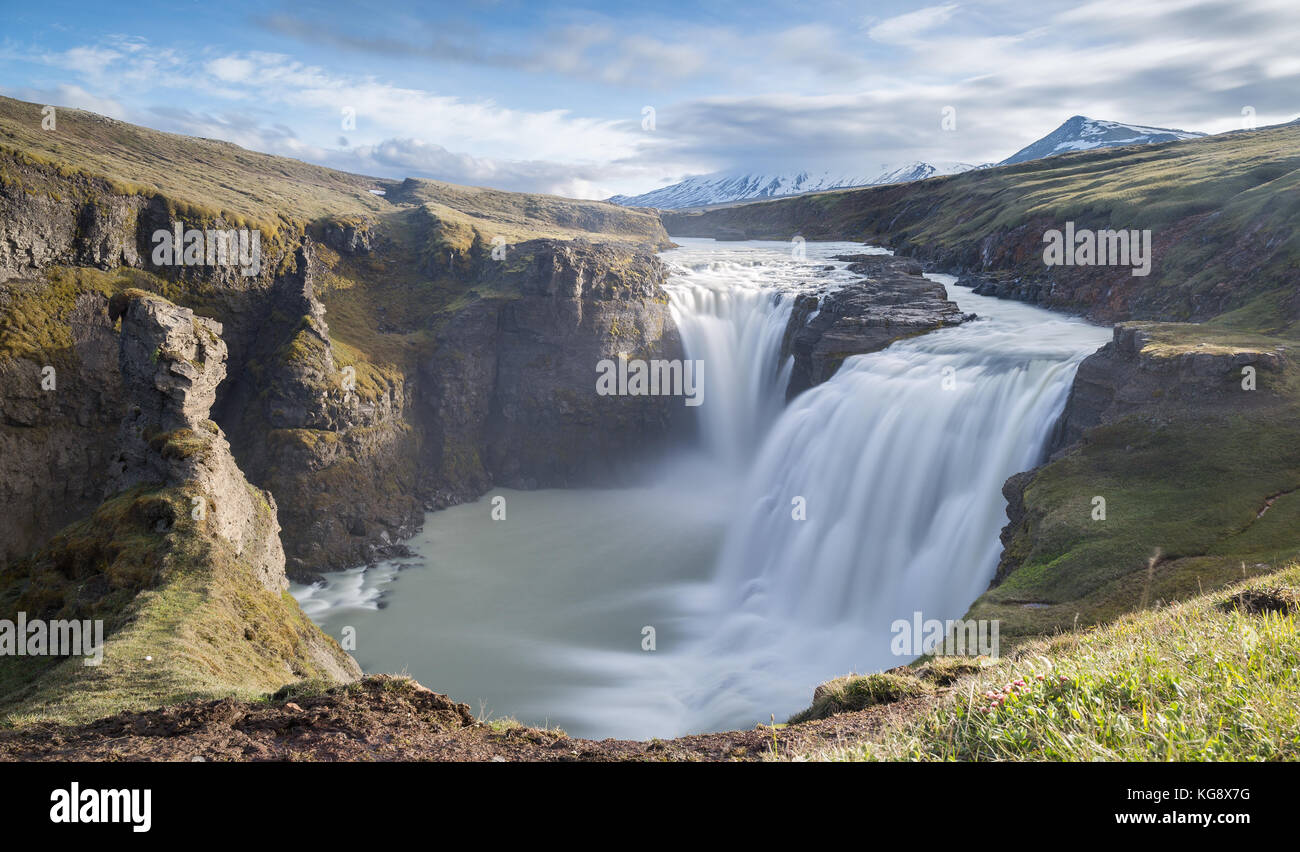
387	718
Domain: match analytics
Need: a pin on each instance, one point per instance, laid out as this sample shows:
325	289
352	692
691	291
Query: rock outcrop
59	417
171	363
510	388
182	562
1138	369
891	302
333	442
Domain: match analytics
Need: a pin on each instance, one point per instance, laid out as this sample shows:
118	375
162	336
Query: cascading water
898	460
732	318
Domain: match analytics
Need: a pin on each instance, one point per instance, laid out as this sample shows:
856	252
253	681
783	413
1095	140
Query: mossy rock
857	692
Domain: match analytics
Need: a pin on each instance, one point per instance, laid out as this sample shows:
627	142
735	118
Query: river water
771	555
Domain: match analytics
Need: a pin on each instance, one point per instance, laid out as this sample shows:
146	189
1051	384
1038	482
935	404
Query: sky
592	100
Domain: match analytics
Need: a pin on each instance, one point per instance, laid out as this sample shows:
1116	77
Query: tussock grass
184	618
856	692
1206	679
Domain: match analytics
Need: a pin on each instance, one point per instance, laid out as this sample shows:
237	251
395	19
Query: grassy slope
1184	484
1211	678
216	176
182	617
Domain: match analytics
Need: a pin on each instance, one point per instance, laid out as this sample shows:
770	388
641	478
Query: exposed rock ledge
1163	373
182	561
1142	365
892	301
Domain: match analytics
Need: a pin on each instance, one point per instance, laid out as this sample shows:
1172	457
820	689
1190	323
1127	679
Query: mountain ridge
738	185
1081	133
1077	133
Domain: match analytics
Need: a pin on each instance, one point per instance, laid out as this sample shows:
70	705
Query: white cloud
904	29
230	69
812	95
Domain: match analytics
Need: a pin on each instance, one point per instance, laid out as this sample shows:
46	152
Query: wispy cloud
906	28
554	103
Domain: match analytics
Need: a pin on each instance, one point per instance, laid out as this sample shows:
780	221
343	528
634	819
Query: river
771	555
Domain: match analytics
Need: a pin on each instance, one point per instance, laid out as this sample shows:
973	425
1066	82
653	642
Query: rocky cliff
1174	469
892	301
457	366
510	387
182	562
1136	373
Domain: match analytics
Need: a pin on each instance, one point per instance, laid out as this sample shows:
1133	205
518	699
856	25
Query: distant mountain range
1079	133
724	187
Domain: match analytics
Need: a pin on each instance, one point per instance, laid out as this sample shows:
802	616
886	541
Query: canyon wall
496	385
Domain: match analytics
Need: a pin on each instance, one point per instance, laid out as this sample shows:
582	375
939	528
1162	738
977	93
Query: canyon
386	361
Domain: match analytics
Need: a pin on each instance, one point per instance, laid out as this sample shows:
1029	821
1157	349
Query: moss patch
183	618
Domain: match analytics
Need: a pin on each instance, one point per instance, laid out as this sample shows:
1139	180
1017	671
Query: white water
541	616
731	302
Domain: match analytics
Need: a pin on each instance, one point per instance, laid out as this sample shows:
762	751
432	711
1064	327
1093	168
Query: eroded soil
383	718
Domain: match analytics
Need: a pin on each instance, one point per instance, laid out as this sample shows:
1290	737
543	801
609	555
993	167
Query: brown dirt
1260	601
384	718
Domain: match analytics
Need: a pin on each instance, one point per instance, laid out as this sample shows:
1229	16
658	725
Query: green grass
183	617
34	315
1205	679
202	179
1184	484
856	692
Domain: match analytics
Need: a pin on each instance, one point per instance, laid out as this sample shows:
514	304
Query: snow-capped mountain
724	187
1078	133
1081	133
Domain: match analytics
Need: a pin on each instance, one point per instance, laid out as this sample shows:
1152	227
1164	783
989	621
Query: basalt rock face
510	390
171	363
58	429
59	417
1017	528
181	563
38	230
331	441
49	220
892	301
1126	376
499	388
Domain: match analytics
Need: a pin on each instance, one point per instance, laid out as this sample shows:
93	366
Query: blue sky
550	97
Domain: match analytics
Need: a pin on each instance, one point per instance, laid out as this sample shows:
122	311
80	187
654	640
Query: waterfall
898	461
896	465
731	306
